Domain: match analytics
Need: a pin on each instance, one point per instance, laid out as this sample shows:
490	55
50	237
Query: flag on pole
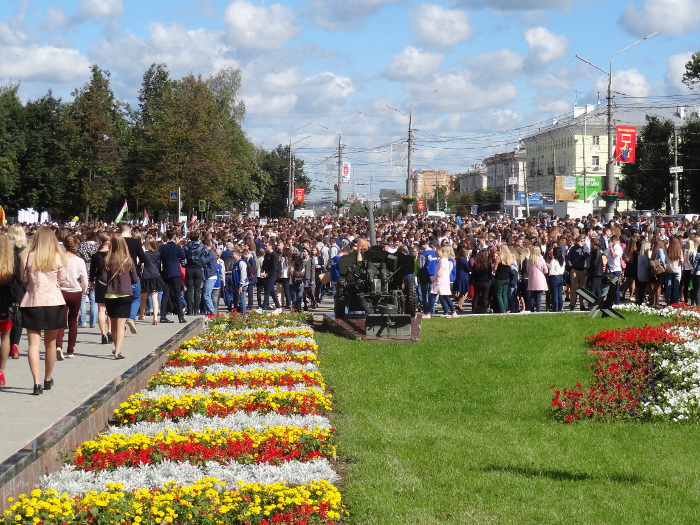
146	218
193	218
124	209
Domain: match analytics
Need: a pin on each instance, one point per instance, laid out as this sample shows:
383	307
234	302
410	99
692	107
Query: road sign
512	203
202	205
173	196
676	169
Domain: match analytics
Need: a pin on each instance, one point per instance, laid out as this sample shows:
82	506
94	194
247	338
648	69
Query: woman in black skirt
43	307
97	264
119	273
151	280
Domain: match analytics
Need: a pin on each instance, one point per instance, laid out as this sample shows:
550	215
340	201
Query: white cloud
458	87
545	46
344	14
278	104
48	64
413	64
100	8
325	90
520	5
440	27
629	82
670	17
253	27
281	81
554	107
675	72
497	65
559	79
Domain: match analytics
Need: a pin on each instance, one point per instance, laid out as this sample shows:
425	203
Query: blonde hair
118	258
17	235
7	259
44	245
507	256
535	254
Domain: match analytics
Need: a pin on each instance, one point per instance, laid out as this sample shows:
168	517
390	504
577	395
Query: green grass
457	429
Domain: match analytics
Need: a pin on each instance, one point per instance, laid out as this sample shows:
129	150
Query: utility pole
409	174
339	184
610	166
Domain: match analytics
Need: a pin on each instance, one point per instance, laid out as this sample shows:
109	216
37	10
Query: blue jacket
171	257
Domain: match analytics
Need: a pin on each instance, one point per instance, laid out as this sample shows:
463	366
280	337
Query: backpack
298	276
196	255
251	270
696	263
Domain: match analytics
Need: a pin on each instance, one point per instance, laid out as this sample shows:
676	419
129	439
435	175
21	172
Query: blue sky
500	67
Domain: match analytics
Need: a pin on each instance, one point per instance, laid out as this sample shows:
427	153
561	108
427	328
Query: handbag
656	267
324	277
15	314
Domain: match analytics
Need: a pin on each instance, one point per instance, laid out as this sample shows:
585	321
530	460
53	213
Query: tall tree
648	181
276	165
191	146
94	123
689	158
12	145
43	185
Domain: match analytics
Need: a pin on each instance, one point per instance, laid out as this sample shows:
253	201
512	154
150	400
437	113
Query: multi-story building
568	157
427	183
473	179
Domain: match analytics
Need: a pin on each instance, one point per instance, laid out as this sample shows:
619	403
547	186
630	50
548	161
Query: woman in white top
555	267
674	268
688	270
73	287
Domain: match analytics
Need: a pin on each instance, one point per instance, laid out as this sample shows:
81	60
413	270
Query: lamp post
409	188
339	187
290	178
610	166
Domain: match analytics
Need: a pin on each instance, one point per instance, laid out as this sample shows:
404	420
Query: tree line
85	156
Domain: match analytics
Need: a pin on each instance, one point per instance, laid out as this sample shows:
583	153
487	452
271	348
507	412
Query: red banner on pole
625	143
299	195
420	205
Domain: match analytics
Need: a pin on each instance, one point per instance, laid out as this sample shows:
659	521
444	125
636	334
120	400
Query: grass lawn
457	429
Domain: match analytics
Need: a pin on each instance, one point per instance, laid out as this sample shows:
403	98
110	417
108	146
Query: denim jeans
297	293
135	300
673	288
447	304
270	292
239	299
557	284
208	303
425	299
93	309
535	300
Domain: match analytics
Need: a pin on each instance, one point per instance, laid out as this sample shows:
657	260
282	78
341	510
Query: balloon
76	218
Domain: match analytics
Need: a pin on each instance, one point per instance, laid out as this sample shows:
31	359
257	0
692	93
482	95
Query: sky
475	75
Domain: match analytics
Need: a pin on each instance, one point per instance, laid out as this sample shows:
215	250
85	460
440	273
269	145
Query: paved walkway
24	416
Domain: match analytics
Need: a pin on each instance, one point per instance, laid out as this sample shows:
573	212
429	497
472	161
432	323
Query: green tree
487	200
276	165
691	77
689	158
12	145
357	209
191	148
648	181
44	163
93	125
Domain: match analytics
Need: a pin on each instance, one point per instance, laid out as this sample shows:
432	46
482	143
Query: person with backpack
210	271
239	272
296	281
197	257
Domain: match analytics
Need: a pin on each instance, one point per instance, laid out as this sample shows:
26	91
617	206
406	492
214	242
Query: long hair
535	254
118	259
7	259
674	252
17	235
45	247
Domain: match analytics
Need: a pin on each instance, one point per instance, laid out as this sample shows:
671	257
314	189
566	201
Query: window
595	161
596	140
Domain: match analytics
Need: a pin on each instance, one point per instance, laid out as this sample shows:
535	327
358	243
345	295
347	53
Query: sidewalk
25	417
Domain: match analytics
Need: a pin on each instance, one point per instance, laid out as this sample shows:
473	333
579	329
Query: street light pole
610	166
290	178
409	185
339	187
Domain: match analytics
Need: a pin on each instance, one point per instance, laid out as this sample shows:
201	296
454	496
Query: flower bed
232	430
649	373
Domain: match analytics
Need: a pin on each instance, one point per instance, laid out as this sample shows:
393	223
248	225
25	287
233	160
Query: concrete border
22	472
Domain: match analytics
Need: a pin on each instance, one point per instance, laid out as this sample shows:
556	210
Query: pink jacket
536	279
441	279
43	288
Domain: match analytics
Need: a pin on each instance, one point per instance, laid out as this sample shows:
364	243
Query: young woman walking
43	307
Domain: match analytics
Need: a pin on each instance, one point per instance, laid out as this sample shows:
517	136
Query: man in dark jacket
576	261
270	270
197	257
172	257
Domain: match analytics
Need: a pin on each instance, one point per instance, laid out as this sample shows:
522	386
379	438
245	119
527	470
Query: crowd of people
58	279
